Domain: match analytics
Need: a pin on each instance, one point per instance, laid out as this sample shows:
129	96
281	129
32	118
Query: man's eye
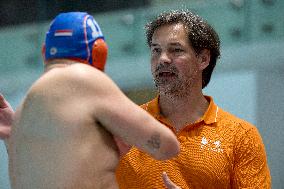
178	50
155	50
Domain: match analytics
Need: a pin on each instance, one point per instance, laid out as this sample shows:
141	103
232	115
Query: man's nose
165	58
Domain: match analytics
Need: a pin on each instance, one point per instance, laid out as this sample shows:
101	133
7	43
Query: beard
170	83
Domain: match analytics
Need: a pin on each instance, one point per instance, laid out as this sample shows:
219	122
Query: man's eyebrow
170	44
154	45
175	44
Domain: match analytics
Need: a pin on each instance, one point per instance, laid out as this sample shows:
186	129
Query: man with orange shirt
218	150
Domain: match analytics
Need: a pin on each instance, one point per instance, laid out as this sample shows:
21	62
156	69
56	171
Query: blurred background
248	80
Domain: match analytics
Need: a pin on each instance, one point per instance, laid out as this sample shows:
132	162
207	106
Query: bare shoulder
74	82
66	96
76	89
75	75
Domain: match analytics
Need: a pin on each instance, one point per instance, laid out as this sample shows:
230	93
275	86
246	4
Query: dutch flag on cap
63	33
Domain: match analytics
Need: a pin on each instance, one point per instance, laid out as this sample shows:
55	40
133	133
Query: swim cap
74	35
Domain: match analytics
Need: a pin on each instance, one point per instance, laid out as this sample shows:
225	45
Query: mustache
165	68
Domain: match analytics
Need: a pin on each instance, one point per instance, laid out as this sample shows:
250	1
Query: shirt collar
209	117
211	113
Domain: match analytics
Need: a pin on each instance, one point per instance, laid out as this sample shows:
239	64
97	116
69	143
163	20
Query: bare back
53	111
61	136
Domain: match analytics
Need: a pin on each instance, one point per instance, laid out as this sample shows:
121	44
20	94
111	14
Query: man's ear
43	51
204	58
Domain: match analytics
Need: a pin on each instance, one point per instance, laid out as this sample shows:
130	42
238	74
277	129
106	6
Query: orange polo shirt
217	151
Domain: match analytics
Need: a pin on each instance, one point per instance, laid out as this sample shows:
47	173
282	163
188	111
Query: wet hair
200	34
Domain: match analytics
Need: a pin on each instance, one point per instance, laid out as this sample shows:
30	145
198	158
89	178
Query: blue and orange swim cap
76	35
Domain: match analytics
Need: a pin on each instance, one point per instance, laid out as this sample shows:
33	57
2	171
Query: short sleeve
250	163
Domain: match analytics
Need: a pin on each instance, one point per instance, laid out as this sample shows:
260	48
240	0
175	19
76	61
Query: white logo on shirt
211	145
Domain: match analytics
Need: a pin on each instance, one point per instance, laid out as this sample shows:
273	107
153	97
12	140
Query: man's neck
58	63
181	111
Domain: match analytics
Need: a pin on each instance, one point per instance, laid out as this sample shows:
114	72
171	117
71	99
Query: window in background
15	12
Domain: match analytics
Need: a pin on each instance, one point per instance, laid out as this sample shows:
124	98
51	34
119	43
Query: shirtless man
62	134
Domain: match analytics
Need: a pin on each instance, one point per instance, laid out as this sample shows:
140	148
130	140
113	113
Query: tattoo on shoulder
154	142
